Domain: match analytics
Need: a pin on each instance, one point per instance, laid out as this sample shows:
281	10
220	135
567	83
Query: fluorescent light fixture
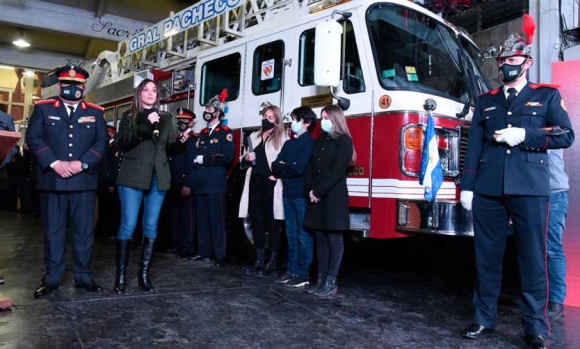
21	43
30	73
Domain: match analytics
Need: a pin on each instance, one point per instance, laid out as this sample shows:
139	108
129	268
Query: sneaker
284	278
555	310
297	282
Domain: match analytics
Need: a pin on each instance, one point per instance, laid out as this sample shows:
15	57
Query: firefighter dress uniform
513	182
53	135
217	148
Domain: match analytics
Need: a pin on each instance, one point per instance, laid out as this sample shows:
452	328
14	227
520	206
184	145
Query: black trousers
183	223
261	212
59	209
211	222
329	251
529	215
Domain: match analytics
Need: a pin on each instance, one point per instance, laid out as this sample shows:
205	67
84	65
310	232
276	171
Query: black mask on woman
267	125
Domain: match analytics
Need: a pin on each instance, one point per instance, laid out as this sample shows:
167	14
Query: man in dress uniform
215	154
182	198
506	176
68	138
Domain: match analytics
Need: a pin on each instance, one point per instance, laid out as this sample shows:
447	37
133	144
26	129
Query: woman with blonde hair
325	184
263	190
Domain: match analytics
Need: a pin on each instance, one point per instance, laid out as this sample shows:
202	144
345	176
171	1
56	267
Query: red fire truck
384	62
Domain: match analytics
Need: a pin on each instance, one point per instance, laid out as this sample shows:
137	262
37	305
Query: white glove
466	197
198	160
511	135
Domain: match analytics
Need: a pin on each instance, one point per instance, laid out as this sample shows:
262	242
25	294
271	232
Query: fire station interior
410	292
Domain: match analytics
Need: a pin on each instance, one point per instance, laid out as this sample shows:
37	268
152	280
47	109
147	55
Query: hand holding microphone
153	118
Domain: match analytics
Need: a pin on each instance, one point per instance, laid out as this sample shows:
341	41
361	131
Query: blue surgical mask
326	125
297	127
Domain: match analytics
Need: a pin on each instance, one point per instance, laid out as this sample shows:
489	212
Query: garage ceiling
64	31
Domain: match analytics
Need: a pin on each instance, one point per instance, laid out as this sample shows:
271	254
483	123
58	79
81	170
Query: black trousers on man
58	209
211	223
529	215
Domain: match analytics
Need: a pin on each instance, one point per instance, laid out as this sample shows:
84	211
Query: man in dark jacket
109	205
68	138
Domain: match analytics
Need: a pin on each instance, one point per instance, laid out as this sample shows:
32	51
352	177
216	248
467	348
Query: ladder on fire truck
181	49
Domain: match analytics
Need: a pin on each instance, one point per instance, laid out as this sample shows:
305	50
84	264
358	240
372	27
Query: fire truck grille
463	134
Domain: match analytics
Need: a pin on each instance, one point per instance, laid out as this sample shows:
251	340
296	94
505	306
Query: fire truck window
415	52
353	75
267	68
218	74
306	59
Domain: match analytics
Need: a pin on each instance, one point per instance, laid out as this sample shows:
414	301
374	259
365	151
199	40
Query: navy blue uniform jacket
218	152
496	169
181	163
52	135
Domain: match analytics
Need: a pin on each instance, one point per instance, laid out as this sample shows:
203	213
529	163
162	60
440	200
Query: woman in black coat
325	184
143	137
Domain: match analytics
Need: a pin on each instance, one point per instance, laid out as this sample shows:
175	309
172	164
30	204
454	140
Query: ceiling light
20	42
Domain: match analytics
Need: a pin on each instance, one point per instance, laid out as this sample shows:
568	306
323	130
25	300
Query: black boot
123	247
258	265
330	287
320	279
270	267
146	255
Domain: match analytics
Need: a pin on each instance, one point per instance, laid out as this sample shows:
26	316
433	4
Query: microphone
155	125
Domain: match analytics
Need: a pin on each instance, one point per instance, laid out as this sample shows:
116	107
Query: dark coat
181	163
143	152
52	135
218	150
326	177
291	164
496	169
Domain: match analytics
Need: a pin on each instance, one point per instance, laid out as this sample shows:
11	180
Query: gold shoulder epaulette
45	101
95	106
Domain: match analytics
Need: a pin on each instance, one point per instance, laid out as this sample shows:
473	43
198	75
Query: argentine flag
431	175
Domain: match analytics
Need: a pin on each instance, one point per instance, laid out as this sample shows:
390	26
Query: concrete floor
410	293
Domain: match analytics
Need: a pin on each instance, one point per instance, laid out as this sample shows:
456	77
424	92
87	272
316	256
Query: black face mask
267	125
71	93
511	72
207	116
182	125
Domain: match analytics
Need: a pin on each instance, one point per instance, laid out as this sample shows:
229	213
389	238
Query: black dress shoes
44	290
220	263
536	341
555	310
475	331
90	286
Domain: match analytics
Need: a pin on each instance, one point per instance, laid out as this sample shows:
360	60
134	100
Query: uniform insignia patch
86	119
54	117
489	109
217	129
563	106
533	104
229	137
214	141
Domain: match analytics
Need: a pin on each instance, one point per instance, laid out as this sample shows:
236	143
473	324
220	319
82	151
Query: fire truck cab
388	64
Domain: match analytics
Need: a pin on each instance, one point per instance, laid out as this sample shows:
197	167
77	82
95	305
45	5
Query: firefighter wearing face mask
68	138
215	148
506	176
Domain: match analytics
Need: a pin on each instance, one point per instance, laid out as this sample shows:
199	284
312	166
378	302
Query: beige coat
271	155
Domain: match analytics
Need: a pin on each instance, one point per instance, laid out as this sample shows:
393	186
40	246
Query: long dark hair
137	106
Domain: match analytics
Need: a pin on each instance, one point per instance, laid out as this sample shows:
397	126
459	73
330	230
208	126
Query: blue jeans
556	257
131	203
300	242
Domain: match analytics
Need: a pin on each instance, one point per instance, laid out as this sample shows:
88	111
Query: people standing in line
507	176
182	198
556	223
290	166
68	138
144	134
327	212
108	197
262	194
215	148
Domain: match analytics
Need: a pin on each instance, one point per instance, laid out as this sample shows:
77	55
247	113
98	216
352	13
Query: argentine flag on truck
431	175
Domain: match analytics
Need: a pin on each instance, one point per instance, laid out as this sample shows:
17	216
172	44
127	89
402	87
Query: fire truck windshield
413	51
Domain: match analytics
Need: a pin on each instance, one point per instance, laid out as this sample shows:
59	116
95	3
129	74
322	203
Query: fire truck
387	64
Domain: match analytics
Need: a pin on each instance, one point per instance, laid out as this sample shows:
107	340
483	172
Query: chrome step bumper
442	218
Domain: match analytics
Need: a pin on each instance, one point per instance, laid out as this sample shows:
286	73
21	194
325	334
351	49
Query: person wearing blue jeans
557	221
145	134
290	166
